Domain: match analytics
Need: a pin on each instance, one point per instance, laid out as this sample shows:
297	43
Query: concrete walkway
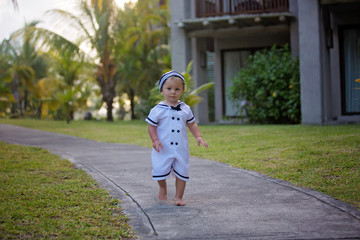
222	202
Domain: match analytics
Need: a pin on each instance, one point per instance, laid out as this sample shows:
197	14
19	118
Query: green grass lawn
323	158
45	197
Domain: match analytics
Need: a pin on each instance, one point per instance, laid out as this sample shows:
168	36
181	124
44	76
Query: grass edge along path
44	196
321	158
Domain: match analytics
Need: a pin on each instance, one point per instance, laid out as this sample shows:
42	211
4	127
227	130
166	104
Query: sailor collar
177	108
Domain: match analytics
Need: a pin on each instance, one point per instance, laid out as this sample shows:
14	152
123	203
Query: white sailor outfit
172	133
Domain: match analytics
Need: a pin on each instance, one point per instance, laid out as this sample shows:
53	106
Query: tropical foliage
93	24
45	74
142	48
191	94
21	68
39	67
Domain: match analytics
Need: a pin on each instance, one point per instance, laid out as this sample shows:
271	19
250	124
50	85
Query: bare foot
162	197
162	194
179	202
162	190
180	188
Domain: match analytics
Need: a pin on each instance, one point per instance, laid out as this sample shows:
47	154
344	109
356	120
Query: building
325	34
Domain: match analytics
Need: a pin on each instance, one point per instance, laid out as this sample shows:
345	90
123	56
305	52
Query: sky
12	20
29	10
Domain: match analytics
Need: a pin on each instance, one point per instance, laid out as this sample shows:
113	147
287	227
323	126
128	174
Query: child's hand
157	145
201	141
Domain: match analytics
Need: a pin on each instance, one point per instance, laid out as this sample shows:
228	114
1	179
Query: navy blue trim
167	75
180	174
163	175
190	119
163	105
177	108
151	121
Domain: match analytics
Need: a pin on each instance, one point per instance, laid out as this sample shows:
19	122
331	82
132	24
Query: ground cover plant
45	197
323	158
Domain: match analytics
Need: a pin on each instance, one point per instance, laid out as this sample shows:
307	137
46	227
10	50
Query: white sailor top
172	133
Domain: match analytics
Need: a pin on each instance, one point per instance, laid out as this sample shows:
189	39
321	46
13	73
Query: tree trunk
107	84
132	103
68	118
38	110
15	92
109	110
26	102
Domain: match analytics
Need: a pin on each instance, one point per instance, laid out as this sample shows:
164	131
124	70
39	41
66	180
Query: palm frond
202	88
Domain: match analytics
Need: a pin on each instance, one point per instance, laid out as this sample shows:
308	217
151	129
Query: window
233	61
350	70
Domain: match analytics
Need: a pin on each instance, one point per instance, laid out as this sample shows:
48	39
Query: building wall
310	62
294	28
307	34
335	77
337	20
180	42
245	39
199	74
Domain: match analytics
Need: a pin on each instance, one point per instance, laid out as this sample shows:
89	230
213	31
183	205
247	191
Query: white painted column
199	75
180	42
310	62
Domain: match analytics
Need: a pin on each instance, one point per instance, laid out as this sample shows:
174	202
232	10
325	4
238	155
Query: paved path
222	202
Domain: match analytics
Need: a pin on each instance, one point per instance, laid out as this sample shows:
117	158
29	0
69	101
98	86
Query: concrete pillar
199	75
219	105
294	28
180	43
310	61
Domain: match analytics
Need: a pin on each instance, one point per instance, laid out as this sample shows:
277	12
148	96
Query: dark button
178	131
173	130
173	118
176	143
178	119
172	143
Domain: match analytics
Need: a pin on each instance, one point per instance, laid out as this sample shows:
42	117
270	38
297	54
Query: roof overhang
338	1
237	21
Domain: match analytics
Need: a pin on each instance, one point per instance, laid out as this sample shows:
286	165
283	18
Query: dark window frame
341	29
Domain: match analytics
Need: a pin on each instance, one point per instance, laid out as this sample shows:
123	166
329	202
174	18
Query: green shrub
270	86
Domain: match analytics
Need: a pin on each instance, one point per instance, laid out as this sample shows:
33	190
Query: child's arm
154	138
194	129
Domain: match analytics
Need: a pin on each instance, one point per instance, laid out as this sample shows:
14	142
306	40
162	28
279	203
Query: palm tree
67	75
191	95
95	24
24	64
6	97
16	75
141	48
67	68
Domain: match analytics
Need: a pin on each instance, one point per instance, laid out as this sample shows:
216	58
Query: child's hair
178	80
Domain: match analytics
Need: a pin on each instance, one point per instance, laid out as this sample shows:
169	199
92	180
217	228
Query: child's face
172	90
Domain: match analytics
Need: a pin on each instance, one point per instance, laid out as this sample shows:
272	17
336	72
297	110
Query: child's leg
162	190
180	188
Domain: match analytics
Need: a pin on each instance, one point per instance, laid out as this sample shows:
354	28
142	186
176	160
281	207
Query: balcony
214	8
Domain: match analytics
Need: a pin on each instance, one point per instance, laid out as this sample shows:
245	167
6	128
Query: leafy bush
270	86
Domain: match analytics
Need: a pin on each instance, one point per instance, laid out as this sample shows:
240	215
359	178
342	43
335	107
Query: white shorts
164	163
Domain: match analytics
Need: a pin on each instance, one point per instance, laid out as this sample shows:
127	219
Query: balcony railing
212	8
